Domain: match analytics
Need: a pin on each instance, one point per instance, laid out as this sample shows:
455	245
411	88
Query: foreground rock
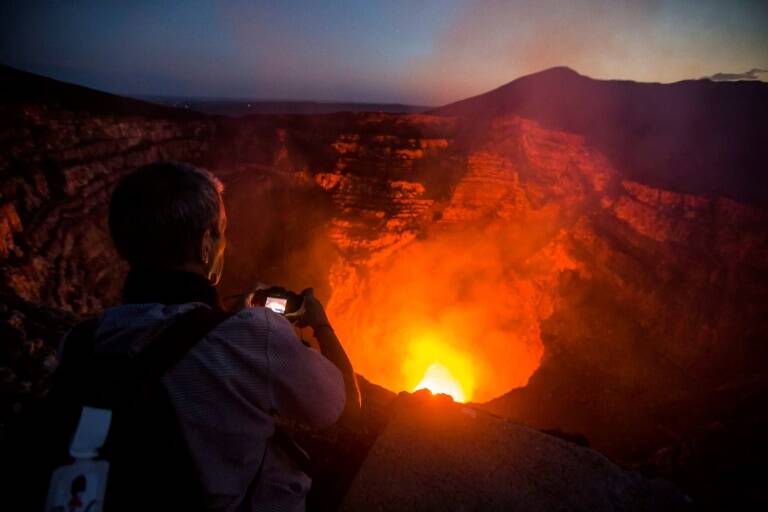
438	455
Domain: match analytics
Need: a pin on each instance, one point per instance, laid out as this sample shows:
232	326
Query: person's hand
311	314
245	300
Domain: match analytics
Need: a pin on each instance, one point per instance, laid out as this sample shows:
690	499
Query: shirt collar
157	286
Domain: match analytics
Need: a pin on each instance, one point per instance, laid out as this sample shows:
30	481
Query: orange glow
439	380
468	302
467	290
440	370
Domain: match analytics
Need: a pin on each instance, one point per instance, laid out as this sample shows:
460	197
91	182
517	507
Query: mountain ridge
19	87
692	136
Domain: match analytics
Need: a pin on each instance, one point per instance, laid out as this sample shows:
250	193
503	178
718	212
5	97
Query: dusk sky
425	52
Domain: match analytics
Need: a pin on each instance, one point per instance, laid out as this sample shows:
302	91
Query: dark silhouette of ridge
245	107
695	136
20	87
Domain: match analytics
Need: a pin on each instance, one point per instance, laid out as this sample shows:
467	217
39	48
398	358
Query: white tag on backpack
79	487
92	430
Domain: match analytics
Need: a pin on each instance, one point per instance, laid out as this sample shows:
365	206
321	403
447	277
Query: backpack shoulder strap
177	339
120	377
151	462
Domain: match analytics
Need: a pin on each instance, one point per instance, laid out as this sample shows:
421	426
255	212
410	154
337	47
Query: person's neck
192	268
169	285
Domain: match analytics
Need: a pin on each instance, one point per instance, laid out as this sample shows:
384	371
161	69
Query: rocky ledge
435	454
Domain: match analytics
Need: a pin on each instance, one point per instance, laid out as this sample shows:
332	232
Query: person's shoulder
255	315
256	325
246	318
259	318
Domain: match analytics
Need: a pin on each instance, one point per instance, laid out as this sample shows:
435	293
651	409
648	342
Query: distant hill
243	107
691	136
19	87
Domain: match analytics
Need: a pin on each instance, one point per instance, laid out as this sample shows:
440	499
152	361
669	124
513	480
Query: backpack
150	467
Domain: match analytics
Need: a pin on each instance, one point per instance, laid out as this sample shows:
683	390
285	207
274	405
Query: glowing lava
465	300
437	366
438	379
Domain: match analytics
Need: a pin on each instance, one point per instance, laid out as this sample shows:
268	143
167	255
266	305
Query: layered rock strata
631	314
58	170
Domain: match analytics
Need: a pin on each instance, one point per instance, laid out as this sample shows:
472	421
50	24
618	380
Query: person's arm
332	349
314	316
304	385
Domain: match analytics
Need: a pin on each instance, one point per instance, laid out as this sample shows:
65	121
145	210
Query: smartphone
276	304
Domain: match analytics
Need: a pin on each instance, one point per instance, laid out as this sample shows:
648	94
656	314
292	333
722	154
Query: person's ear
206	248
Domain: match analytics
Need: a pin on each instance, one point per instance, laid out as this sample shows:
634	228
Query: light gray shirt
225	391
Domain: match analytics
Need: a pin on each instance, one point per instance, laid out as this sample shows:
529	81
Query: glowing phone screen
276	304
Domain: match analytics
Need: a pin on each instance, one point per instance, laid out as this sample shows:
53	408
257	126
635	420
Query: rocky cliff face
58	169
565	293
62	149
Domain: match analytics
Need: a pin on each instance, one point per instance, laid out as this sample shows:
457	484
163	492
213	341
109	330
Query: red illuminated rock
628	293
64	147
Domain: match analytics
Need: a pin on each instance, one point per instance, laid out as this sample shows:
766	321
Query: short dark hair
159	212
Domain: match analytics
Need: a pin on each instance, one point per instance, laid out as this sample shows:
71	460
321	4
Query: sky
419	52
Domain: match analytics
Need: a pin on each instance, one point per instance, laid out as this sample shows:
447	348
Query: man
168	221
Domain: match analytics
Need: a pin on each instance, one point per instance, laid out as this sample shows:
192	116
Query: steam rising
278	235
752	74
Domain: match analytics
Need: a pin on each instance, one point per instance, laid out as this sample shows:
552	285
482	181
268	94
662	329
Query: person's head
170	215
